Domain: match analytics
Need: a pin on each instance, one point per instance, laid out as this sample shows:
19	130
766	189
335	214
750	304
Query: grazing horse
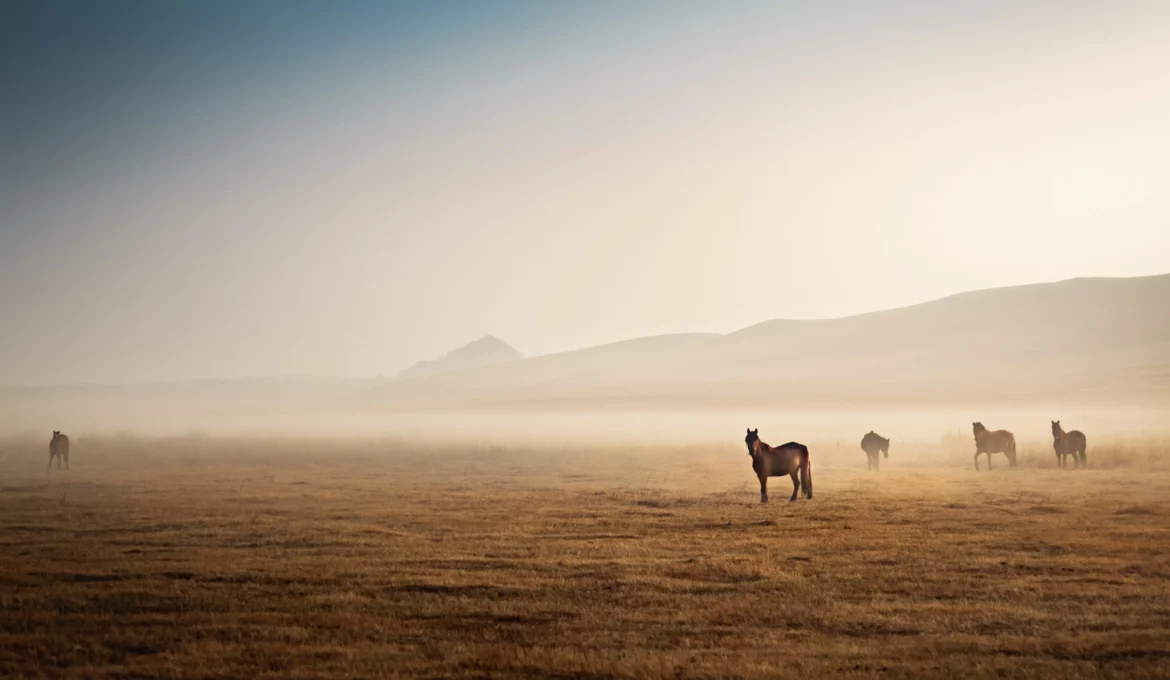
59	449
790	459
1069	444
873	443
1000	441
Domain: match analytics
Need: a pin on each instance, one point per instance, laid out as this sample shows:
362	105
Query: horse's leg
877	462
763	489
977	461
989	461
795	484
868	462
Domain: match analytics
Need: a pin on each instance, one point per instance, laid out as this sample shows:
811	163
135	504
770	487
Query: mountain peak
487	350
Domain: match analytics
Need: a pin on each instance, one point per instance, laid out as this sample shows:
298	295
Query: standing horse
59	449
873	444
1069	444
1000	441
790	459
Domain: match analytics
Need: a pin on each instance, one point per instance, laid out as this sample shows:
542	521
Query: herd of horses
792	459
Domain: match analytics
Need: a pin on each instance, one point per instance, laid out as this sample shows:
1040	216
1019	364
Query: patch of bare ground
339	560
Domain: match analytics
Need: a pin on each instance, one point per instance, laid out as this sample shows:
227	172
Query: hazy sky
225	189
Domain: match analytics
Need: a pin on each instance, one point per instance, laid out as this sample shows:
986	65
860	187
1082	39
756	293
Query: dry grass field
197	558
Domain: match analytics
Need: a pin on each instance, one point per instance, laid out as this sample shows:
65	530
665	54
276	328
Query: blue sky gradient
221	189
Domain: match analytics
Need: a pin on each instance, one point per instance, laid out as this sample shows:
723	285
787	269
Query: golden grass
218	558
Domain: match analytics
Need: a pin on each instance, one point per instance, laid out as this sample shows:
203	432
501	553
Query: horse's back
997	441
59	446
785	459
1003	437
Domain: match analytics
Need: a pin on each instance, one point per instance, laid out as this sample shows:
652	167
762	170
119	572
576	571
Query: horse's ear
749	430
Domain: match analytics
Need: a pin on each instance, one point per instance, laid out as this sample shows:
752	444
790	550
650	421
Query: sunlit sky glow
222	189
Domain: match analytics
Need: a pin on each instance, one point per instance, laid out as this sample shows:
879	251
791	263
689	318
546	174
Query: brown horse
1000	441
59	449
790	459
1069	444
873	444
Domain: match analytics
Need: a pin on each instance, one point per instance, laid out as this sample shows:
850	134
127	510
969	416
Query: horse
59	449
790	459
1069	444
872	444
1000	441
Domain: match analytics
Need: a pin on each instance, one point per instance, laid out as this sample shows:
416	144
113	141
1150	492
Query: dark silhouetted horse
1000	441
1069	444
791	459
59	449
873	444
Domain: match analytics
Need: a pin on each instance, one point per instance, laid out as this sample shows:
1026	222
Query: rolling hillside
1107	338
1076	341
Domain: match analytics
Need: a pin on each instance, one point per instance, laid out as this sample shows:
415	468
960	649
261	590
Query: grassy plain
202	557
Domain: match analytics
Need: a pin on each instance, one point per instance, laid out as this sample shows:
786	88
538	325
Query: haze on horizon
218	190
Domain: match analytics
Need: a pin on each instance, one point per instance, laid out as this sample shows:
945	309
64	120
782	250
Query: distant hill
1107	338
486	351
1076	341
519	379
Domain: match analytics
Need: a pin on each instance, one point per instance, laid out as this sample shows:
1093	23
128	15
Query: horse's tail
1011	450
806	472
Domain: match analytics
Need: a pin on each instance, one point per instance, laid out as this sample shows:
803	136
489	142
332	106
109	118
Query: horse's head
978	428
1056	431
886	448
752	437
56	433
